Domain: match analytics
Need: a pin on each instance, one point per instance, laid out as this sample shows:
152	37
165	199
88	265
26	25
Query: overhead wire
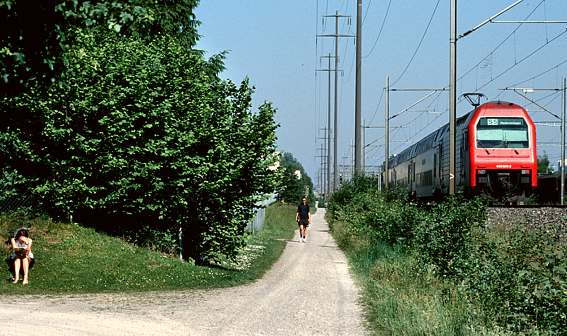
540	74
418	45
377	106
535	51
426	125
380	31
499	44
366	12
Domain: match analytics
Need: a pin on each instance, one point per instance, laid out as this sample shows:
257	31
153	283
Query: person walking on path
303	219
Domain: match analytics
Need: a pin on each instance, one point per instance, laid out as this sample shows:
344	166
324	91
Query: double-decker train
495	155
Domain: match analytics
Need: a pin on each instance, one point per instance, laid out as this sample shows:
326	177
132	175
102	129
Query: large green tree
138	130
295	182
35	34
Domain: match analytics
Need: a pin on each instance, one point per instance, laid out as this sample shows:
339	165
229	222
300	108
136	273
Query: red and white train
495	155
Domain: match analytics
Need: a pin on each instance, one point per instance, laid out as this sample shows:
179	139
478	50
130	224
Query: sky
274	43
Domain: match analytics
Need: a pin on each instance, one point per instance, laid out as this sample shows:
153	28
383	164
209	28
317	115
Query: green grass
398	300
71	258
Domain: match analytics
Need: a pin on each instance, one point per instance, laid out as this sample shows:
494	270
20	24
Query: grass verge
398	300
71	258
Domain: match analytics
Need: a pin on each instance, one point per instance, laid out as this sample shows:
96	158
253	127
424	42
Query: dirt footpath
309	291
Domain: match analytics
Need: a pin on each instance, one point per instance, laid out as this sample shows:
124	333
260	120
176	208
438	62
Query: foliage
71	258
295	182
34	38
543	164
519	276
139	132
444	238
514	276
349	189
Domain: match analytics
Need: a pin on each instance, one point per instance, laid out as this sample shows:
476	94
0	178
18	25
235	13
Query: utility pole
363	134
336	114
358	151
387	133
336	117
321	175
452	97
563	107
329	126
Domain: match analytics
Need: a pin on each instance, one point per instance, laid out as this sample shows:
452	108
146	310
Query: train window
500	132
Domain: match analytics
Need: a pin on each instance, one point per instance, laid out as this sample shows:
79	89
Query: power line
435	99
380	31
523	59
500	44
540	74
367	10
419	44
377	106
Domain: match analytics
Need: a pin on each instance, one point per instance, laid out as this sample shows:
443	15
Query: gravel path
309	291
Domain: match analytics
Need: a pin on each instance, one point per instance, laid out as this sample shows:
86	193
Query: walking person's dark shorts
304	222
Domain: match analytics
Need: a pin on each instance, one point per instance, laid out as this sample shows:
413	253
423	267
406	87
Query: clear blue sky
273	43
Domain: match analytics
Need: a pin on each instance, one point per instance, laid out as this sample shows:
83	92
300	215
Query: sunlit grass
399	300
71	258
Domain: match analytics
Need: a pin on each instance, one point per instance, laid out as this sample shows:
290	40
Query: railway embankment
552	220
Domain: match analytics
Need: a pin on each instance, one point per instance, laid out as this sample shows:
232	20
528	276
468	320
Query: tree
34	36
139	131
295	181
543	164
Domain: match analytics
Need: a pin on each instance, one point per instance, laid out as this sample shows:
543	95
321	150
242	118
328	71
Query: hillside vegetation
72	258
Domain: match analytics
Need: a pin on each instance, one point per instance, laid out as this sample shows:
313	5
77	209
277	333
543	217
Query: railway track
534	206
550	219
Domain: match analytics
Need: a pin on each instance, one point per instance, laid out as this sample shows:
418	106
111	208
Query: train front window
493	132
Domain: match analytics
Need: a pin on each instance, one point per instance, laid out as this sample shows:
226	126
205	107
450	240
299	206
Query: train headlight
525	172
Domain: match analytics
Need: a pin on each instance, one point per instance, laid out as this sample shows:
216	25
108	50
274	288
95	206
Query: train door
411	178
441	183
465	169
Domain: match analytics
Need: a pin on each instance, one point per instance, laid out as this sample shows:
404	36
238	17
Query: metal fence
10	201
257	222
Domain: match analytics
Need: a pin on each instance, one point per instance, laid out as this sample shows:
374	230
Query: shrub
515	276
444	237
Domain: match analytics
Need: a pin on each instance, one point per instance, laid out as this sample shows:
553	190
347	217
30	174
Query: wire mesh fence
257	222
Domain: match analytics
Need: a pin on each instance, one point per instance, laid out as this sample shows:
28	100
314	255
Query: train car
495	156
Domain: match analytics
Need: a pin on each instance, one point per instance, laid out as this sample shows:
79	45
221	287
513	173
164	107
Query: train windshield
500	132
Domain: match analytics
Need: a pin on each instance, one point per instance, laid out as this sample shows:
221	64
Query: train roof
429	140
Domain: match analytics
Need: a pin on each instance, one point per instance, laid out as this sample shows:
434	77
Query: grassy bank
398	300
71	258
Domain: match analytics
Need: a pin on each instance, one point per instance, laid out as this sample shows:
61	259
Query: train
549	188
495	156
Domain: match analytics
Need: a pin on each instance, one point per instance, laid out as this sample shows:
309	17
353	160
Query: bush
519	278
444	237
516	276
145	134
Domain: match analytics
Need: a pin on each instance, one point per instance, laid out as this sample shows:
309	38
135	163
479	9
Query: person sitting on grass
21	257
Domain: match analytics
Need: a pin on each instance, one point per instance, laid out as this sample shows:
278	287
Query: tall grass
439	270
72	258
403	291
398	299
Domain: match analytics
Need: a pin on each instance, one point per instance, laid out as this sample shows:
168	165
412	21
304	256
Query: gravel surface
546	218
309	291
